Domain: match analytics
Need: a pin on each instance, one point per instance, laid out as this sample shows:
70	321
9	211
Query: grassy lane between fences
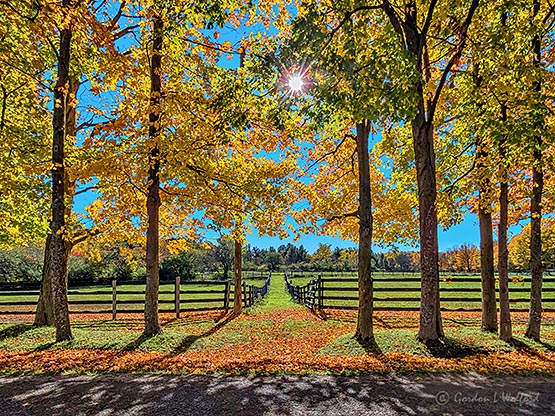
274	336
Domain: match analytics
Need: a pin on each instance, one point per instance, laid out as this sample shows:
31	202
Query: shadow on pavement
128	394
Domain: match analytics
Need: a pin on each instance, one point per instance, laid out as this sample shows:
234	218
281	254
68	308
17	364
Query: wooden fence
307	295
253	293
389	293
188	296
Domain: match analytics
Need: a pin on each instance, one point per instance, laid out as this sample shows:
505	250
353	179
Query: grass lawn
276	336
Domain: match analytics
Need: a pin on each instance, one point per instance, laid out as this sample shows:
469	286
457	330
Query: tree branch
334	151
429	17
30	18
83	236
88	188
454	58
393	18
450	188
347	18
343	216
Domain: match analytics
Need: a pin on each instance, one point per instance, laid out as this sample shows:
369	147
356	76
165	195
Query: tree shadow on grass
453	348
370	346
14	331
45	346
189	340
135	344
524	346
382	322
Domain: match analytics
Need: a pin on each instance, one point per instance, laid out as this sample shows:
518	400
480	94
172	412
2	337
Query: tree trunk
489	306
407	26
364	331
44	314
505	327
536	267
58	264
152	324
237	292
430	317
431	327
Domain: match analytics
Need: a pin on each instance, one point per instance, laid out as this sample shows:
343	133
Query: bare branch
87	189
343	216
124	32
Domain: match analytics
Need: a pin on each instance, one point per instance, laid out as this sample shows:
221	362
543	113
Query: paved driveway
129	394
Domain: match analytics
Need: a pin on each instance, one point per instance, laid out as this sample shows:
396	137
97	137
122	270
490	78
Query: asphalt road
131	394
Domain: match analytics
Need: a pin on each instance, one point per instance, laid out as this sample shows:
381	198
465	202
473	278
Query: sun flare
296	83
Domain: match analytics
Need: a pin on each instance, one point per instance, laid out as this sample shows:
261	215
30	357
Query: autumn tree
202	141
349	79
416	25
542	18
25	129
519	247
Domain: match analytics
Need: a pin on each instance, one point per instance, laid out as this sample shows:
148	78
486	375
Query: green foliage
185	265
21	265
519	248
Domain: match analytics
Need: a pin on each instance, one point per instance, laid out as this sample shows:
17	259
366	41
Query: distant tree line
125	262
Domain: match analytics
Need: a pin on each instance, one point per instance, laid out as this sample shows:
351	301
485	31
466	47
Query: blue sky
465	232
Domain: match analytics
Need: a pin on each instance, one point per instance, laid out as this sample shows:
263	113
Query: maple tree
209	137
350	79
58	66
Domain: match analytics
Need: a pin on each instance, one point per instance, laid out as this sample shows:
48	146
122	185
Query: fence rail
332	292
188	296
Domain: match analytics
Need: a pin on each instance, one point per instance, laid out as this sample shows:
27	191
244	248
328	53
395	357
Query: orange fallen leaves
58	361
284	345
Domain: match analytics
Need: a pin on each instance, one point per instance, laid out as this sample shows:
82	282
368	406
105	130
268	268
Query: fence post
114	299
226	296
320	293
177	297
245	294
